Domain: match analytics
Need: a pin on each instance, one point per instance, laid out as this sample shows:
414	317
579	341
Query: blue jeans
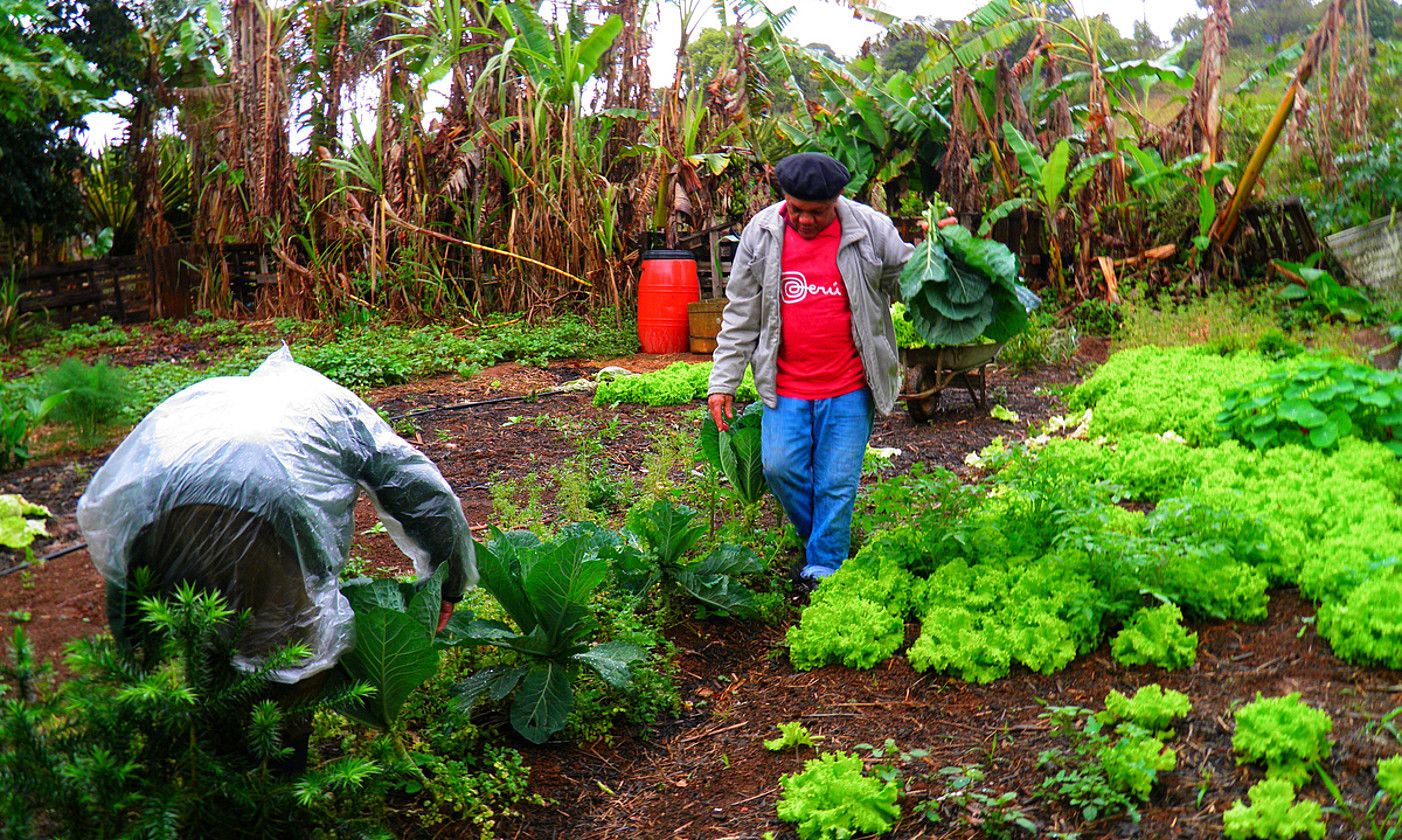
813	452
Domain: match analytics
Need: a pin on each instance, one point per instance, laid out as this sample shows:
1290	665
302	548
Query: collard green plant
545	588
1284	733
832	798
670	531
395	652
958	288
1273	814
1317	402
736	452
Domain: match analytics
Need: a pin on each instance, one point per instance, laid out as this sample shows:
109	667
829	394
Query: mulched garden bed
707	773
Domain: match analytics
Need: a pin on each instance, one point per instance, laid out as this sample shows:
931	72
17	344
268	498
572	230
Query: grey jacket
870	256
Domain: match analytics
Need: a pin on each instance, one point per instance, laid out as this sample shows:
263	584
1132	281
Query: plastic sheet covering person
247	484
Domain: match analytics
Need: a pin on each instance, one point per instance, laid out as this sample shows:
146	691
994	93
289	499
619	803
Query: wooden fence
167	283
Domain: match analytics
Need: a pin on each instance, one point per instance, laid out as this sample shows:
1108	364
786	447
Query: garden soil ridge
707	774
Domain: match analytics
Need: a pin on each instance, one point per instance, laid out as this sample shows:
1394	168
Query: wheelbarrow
929	370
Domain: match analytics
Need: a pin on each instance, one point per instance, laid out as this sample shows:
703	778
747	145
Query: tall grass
1226	320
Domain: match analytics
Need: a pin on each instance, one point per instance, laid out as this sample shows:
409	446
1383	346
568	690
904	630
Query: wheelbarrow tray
954	357
929	370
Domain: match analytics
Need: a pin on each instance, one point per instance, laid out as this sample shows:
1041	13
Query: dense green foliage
1273	814
833	799
1317	402
1284	733
168	739
94	395
677	384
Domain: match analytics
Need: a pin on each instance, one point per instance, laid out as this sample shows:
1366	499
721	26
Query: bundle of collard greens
959	287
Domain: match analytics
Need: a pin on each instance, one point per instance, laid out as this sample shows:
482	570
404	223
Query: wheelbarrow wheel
921	378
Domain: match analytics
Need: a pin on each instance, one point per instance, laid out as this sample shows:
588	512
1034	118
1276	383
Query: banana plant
1051	183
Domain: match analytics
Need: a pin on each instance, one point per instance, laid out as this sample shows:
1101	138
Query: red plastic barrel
668	284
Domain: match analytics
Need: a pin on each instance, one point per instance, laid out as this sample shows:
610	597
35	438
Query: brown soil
706	773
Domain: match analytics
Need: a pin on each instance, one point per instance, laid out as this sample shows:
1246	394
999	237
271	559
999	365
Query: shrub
1285	734
1366	625
169	739
832	799
1097	317
96	395
1041	343
853	631
1156	637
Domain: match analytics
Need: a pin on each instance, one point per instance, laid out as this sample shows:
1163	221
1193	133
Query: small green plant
832	799
1156	636
21	522
96	395
1097	317
1151	708
169	739
792	734
1273	814
1284	733
670	531
545	588
977	805
1321	297
1111	765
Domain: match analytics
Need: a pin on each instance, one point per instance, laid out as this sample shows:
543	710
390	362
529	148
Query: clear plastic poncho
248	484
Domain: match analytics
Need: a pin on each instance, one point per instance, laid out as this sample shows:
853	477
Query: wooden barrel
703	320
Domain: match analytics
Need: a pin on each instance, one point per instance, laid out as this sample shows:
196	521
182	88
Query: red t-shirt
817	357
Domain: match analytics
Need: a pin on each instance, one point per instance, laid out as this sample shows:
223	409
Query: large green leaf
559	585
612	661
939	301
593	47
927	264
495	683
543	701
743	463
712	580
966	285
393	655
499	573
991	258
1053	177
670	530
424	605
365	594
1028	157
942	330
1009	318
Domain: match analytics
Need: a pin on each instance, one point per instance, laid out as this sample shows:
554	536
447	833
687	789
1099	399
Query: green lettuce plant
792	734
958	287
1284	733
677	384
851	630
1156	636
21	522
1366	624
833	799
545	588
1273	814
1151	708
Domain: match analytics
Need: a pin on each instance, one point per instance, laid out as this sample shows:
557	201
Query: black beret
812	176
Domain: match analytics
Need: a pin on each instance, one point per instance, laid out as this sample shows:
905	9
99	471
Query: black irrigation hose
46	558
